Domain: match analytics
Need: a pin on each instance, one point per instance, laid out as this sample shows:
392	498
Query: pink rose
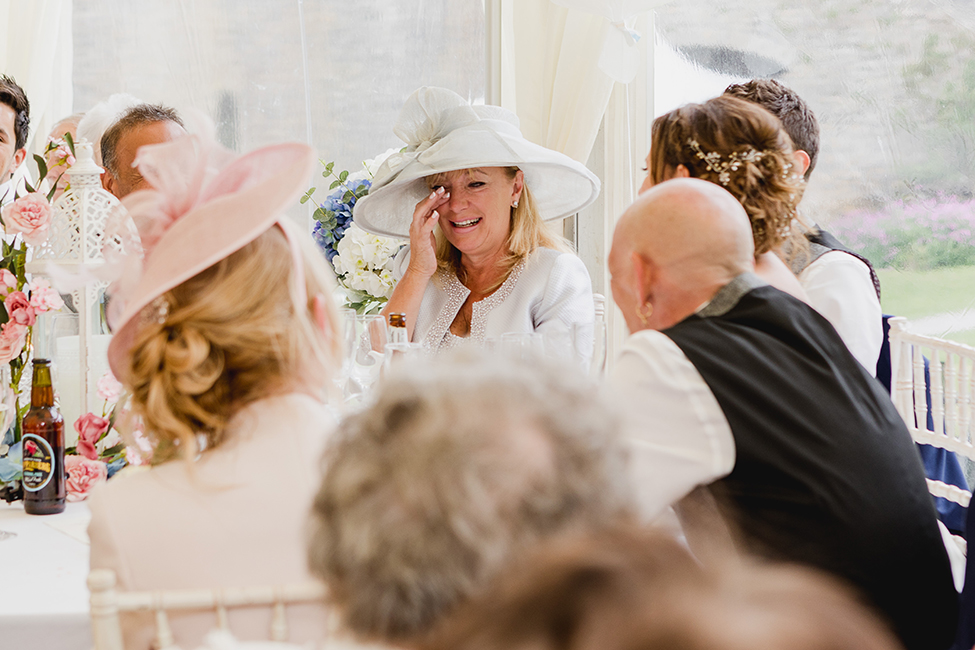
30	447
13	335
90	428
83	474
30	215
8	282
109	388
19	308
43	297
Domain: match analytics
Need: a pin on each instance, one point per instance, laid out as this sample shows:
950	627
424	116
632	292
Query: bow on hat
428	116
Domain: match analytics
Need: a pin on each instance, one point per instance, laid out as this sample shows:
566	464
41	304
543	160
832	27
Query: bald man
732	384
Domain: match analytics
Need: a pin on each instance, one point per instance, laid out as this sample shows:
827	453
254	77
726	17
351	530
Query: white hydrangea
364	262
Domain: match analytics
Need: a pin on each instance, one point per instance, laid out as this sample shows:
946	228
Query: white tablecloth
43	594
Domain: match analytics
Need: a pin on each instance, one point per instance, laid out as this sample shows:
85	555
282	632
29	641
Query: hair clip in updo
723	168
156	311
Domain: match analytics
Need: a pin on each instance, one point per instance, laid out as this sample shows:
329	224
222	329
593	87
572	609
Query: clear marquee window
892	83
893	87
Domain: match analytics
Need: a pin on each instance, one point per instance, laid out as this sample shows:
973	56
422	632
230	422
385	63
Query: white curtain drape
36	50
555	74
558	91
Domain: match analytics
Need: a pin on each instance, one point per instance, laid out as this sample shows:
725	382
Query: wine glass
7	414
346	327
523	345
367	356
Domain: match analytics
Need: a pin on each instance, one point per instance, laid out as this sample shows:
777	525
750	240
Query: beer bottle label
38	462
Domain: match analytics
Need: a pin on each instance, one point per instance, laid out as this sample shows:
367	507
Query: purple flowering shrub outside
916	236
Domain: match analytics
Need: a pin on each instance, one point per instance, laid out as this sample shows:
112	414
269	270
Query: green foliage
941	88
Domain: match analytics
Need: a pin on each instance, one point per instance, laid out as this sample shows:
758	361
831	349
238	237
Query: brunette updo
236	332
766	185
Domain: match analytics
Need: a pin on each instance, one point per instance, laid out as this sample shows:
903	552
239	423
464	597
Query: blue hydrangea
116	465
328	238
11	465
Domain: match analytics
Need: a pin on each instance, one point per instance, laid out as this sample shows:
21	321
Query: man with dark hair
841	284
797	118
141	125
14	127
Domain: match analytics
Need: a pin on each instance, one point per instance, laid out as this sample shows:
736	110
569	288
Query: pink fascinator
204	206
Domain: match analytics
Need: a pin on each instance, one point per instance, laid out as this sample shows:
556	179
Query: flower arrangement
362	262
916	235
26	222
100	451
58	156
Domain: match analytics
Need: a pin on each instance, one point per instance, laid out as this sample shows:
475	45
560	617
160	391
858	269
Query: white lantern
75	245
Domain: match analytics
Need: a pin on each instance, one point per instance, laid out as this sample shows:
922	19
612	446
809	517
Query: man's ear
15	162
109	182
643	273
801	160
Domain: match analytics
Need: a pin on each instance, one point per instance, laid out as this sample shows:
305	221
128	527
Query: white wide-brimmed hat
444	133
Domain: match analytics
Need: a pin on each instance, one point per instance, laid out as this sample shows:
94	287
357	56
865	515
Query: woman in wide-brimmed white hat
474	197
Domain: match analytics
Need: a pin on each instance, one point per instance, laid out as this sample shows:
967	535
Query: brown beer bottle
397	328
43	447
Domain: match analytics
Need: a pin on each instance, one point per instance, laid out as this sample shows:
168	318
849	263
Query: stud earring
515	204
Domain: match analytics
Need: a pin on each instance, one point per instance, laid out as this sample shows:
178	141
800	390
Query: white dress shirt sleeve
840	288
677	434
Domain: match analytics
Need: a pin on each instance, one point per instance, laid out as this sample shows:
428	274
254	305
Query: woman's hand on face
423	247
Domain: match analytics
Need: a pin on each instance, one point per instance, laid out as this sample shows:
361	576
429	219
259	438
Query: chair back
934	391
107	604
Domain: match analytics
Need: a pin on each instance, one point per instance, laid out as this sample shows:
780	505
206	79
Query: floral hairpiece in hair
724	168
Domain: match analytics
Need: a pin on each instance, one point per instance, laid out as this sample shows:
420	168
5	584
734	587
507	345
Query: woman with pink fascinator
224	338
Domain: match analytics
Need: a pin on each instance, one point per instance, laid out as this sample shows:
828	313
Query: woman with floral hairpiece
224	340
475	198
741	147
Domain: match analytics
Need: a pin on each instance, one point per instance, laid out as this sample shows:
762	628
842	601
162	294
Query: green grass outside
923	293
914	294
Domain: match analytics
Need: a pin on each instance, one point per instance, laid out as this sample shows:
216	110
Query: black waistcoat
822	242
825	471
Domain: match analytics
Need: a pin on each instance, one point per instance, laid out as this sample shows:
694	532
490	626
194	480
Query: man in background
141	125
841	285
14	127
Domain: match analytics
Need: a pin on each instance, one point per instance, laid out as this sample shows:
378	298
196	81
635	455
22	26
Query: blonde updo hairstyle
527	232
237	332
768	188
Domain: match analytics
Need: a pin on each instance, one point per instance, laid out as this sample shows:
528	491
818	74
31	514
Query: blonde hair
234	333
527	232
767	187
